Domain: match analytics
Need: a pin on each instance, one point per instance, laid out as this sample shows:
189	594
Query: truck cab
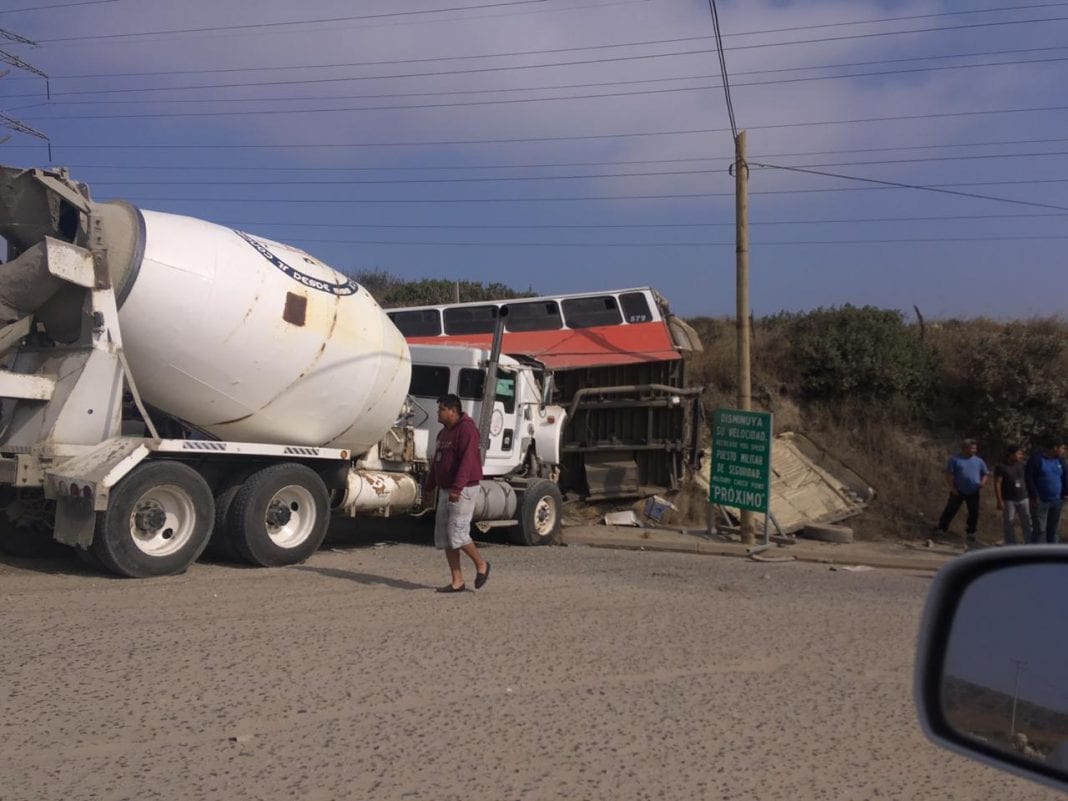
524	432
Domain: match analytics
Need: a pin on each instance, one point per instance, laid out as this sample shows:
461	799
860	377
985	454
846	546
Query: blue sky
1008	622
577	145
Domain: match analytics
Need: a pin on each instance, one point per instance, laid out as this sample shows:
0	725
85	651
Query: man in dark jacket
1047	486
455	473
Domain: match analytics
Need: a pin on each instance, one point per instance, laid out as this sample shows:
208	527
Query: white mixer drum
256	341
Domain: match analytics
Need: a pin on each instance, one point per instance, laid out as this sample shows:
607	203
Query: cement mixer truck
169	384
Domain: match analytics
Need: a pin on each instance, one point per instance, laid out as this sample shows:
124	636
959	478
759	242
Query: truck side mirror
546	390
991	678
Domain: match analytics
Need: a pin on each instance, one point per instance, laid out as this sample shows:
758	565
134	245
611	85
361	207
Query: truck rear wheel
221	543
540	514
279	515
157	522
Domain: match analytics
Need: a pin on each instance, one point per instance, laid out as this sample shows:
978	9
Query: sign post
741	461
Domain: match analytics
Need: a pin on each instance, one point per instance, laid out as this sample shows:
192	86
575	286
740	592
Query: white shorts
452	521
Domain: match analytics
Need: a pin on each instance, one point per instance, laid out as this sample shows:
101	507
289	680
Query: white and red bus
616	359
562	331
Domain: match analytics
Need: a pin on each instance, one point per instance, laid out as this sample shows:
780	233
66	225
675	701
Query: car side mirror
991	679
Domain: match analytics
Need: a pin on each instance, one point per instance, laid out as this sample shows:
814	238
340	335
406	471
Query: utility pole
741	233
1021	666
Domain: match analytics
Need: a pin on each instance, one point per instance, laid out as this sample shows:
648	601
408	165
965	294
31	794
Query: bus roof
564	342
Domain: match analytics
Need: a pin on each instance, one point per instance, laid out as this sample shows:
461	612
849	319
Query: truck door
503	452
429	382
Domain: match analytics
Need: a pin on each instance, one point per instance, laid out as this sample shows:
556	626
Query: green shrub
391	291
864	354
1012	384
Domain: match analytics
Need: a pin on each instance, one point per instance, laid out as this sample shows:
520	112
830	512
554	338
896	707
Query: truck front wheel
540	514
280	515
158	521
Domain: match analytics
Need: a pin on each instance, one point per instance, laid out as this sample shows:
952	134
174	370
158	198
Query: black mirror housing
991	674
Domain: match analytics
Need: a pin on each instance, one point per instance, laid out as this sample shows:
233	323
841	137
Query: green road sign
741	459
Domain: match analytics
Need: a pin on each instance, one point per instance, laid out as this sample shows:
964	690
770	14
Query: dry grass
903	458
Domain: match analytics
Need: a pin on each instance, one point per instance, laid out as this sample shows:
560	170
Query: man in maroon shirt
455	473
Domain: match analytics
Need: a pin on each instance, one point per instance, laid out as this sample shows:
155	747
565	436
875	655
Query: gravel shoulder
578	672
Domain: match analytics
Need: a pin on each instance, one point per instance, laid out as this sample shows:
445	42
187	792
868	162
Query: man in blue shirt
965	475
1047	486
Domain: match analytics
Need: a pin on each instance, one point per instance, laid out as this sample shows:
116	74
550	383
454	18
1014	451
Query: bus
617	361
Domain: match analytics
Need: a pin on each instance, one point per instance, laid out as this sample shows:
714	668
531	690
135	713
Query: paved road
577	673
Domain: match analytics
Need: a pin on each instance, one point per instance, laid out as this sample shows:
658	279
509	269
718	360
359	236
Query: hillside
893	397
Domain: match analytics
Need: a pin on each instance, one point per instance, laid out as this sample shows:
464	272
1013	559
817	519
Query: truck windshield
472	382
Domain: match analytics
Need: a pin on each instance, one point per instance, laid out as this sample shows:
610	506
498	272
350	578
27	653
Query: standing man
1047	485
455	473
965	475
1010	487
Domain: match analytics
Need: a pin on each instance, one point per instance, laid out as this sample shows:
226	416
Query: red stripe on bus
577	347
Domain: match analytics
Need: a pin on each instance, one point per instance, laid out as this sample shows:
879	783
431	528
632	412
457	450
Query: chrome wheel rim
163	520
295	525
545	516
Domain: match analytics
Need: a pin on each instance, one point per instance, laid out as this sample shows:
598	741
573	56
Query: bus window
429	381
541	315
589	312
418	323
470	319
635	308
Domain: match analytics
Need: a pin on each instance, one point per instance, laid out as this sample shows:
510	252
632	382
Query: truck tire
540	514
221	543
279	515
157	522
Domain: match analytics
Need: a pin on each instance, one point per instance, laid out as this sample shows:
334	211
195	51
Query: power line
291	23
342	110
436	167
899	19
573	198
507	90
822	40
876	162
545	65
516	53
421	106
629	226
531	139
910	117
723	68
395	181
230	101
900	33
913	147
405	75
913	186
515	178
676	244
57	5
401	168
